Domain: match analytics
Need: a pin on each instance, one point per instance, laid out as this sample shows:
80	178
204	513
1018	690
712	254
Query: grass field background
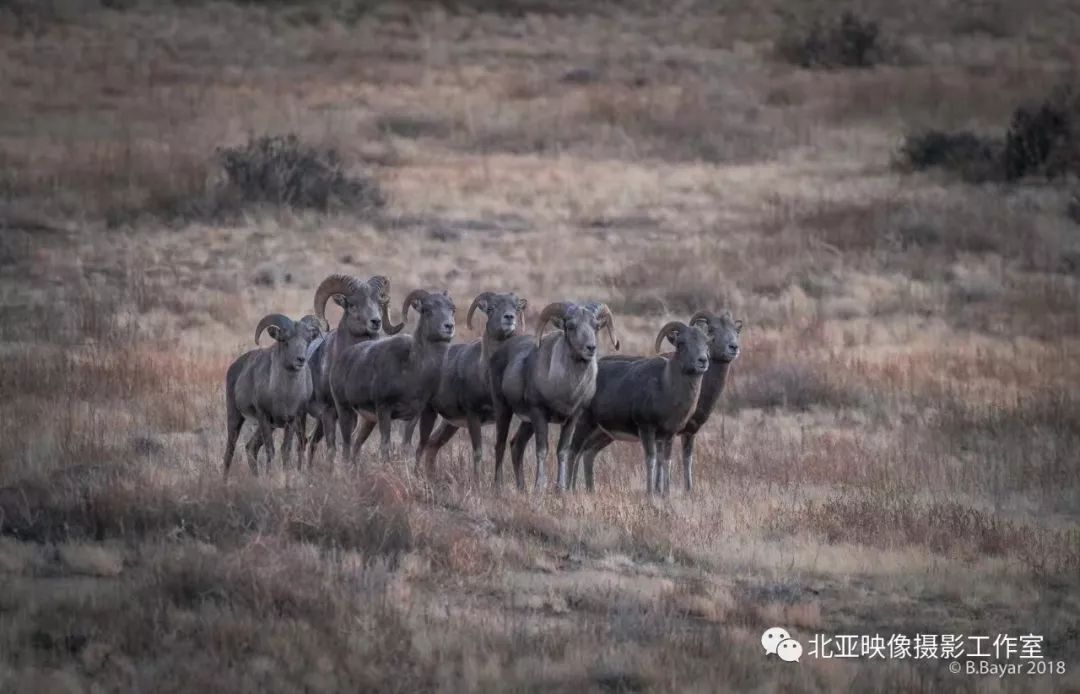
896	452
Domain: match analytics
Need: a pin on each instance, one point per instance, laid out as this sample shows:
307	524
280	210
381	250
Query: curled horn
701	317
671	325
277	320
382	285
607	321
413	295
333	284
557	309
482	296
315	322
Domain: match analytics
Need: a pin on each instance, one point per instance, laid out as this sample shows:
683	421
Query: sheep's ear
558	323
703	325
417	304
673	336
339	299
521	304
738	326
275	332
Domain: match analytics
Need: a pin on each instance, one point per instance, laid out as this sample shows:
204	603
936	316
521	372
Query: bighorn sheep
723	336
270	386
547	380
366	311
646	399
464	395
394	378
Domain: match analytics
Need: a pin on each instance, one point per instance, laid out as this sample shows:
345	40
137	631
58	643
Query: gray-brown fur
546	380
464	395
723	335
396	377
365	311
648	399
271	387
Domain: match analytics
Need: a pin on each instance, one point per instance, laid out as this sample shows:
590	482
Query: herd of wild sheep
351	375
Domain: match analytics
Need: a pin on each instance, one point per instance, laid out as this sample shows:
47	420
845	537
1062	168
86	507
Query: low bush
1044	138
973	157
847	41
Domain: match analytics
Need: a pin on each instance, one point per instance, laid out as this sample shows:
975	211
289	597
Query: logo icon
789	650
772	638
777	641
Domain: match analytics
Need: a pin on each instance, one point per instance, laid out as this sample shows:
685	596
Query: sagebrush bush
973	157
282	172
845	41
1044	138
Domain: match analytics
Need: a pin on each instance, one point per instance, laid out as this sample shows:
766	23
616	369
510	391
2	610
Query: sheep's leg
688	461
366	427
427	423
236	423
407	432
648	443
287	436
477	441
597	442
266	433
664	472
385	431
300	435
440	438
346	418
581	435
503	415
301	441
253	445
517	452
540	430
328	426
562	452
313	442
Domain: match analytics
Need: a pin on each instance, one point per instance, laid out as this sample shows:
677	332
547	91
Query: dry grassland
897	450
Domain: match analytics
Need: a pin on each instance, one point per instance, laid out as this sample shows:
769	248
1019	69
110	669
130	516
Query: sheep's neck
490	344
280	374
680	386
426	354
340	340
712	385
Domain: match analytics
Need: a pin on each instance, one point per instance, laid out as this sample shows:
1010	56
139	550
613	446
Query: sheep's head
292	339
436	311
314	325
366	305
691	346
504	311
580	324
723	332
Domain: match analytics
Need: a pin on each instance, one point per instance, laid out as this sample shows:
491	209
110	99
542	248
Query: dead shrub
846	41
276	172
973	157
280	171
1044	139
